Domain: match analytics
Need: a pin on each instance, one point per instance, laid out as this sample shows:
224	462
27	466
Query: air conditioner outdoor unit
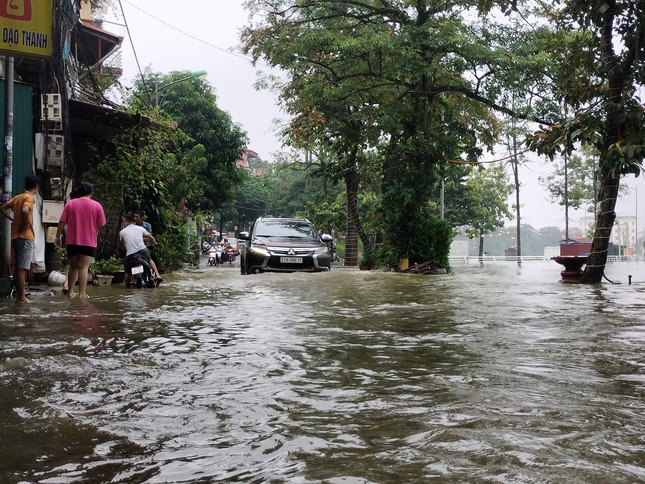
50	108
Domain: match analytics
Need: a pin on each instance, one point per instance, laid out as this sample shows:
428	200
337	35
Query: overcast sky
161	45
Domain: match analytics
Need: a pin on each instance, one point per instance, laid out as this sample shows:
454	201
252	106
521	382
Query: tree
134	170
398	77
252	198
598	59
192	104
572	182
512	134
488	189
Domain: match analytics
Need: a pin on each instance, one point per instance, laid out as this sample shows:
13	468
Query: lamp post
193	75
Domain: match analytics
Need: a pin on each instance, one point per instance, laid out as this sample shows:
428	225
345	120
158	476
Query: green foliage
488	190
252	197
64	262
192	105
107	266
132	171
169	173
402	84
325	215
580	175
431	241
172	242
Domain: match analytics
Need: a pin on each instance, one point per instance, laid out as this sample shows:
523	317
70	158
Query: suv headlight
320	251
260	250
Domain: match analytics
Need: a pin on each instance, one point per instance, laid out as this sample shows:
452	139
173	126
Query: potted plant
105	269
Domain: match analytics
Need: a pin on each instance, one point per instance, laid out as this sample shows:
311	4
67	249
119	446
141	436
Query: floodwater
493	374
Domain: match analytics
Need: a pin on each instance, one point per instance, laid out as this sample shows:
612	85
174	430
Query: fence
526	258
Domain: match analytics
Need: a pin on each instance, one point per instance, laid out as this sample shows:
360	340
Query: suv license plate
291	260
137	270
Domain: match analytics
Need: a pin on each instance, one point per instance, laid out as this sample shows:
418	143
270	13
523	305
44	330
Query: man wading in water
22	232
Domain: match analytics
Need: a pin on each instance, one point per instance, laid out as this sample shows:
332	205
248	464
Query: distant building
623	233
243	162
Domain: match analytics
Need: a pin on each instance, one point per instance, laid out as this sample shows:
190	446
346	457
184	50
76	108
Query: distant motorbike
207	247
215	256
141	271
230	255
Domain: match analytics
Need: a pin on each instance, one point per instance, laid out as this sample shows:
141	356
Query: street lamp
193	75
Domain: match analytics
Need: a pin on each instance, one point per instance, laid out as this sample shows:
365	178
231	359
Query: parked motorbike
332	251
141	272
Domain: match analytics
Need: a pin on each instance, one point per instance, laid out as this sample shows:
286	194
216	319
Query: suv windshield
285	228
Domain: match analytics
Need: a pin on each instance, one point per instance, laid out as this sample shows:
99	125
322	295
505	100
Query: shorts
127	265
23	250
74	250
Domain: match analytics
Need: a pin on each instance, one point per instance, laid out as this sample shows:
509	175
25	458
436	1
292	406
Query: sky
204	35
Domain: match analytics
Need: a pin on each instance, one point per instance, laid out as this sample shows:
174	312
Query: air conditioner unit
50	108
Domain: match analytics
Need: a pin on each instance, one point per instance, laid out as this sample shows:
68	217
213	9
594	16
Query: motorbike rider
132	238
138	220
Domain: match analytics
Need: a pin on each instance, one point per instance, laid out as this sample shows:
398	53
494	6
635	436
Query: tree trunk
351	185
600	246
351	241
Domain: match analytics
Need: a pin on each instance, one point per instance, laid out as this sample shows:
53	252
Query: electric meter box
50	108
52	210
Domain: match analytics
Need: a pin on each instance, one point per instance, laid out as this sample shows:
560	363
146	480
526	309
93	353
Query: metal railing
525	258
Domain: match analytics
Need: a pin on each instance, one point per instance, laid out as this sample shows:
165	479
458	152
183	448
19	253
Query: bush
430	241
172	243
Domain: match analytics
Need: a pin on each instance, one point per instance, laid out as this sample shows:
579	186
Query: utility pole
8	163
442	197
566	196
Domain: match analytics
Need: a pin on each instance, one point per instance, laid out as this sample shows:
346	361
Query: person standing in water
83	217
22	232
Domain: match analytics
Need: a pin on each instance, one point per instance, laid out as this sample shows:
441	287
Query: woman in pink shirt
83	217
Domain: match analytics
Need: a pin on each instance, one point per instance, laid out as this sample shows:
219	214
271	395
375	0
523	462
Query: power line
136	57
461	162
189	34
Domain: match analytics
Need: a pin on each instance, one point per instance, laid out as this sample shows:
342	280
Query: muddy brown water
489	374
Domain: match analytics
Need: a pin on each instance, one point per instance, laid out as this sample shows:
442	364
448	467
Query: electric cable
136	57
461	162
189	34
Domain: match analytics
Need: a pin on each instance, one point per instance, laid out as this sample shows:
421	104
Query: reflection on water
489	374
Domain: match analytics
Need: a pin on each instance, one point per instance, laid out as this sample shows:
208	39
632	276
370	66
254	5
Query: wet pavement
489	374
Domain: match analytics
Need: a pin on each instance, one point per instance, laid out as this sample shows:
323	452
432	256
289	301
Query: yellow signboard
26	27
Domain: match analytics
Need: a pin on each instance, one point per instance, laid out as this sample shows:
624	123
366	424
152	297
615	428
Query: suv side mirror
243	236
326	238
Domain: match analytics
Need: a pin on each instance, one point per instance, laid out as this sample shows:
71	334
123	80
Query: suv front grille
288	251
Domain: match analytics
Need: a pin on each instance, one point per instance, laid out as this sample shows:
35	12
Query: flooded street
487	374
